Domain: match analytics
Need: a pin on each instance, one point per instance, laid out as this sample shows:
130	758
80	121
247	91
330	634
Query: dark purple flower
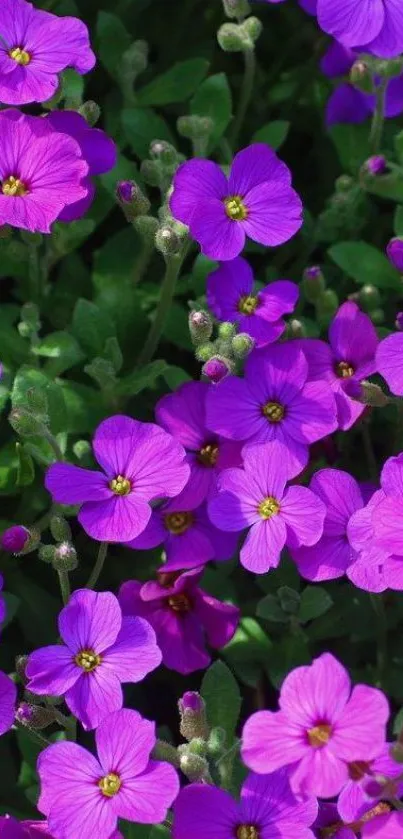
183	617
8	696
35	47
256	498
274	402
141	463
82	795
376	165
41	172
97	149
216	369
100	651
231	298
376	25
183	414
394	251
15	538
126	190
257	201
268	809
350	354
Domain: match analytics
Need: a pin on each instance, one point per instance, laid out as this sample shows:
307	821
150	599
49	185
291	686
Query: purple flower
41	172
394	251
389	361
84	796
187	534
376	165
230	297
267	808
332	554
183	414
274	402
368	820
8	696
183	616
97	149
257	201
141	463
376	25
14	539
322	726
256	497
365	786
35	47
215	369
399	321
191	701
373	568
126	190
101	649
350	354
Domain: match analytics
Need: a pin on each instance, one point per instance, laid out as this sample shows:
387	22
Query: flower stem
64	585
375	137
99	564
245	96
53	443
173	263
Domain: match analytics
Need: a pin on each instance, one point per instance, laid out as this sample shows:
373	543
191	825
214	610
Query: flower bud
361	77
226	330
399	321
65	557
216	369
205	351
216	742
197	746
344	183
165	751
24	423
242	344
194	767
369	298
15	539
327	305
131	199
231	38
37	402
134	60
81	449
193	722
47	553
375	165
295	329
366	393
60	529
253	28
91	112
377	316
167	241
152	173
163	151
236	8
34	716
200	326
146	227
313	283
194	127
394	253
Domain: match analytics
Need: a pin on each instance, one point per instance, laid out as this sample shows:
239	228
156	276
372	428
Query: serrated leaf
222	696
214	99
274	133
365	264
176	85
315	601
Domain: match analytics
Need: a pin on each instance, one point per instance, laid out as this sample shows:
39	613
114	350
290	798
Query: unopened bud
24	423
65	557
253	28
313	283
226	330
163	151
242	344
366	393
236	8
47	553
34	716
20	667
193	721
216	742
377	316
200	326
361	77
194	127
327	305
165	751
369	298
91	112
197	746
390	69
15	539
132	200
167	241
231	38
151	172
194	767
205	351
81	449
394	253
60	529
216	369
135	60
344	183
296	329
375	165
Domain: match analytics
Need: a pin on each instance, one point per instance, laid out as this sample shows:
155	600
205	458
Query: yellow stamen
319	735
273	411
247	831
179	603
14	187
88	660
20	55
120	485
208	455
247	305
269	507
110	785
178	523
344	370
235	208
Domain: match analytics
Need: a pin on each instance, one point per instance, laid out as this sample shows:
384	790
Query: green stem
53	443
99	564
375	137
245	96
64	585
173	264
378	606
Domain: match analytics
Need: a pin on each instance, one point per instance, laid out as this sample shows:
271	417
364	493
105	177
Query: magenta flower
274	402
100	650
350	355
256	497
14	539
41	172
141	463
82	795
183	414
187	534
267	808
331	556
385	524
365	820
35	47
364	787
183	617
322	726
374	569
394	251
389	360
376	25
97	149
257	201
8	697
230	297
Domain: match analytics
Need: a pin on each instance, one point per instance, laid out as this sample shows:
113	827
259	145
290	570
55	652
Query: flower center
235	208
273	411
344	370
14	187
88	660
247	831
167	578
319	735
110	785
20	55
208	455
178	523
247	305
179	603
120	485
358	769
269	507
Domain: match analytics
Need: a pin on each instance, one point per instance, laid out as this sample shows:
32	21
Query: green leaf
175	376
141	126
213	99
269	609
25	469
176	85
12	605
141	379
222	696
248	651
30	377
91	326
352	145
274	133
398	221
73	88
365	264
112	40
61	349
315	601
389	187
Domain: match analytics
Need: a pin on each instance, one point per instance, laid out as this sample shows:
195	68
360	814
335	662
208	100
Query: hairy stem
245	96
173	265
375	137
99	564
64	585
